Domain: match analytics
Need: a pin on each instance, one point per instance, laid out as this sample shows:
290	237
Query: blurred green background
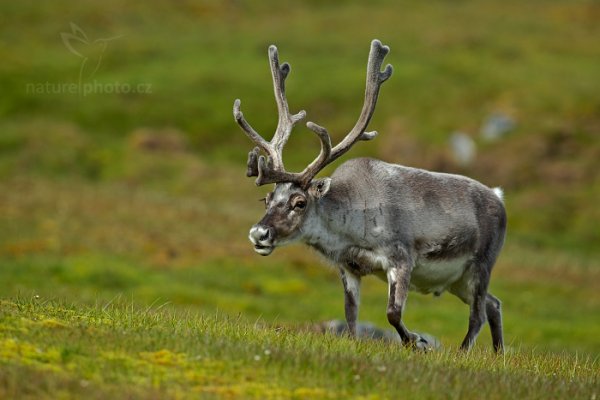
122	170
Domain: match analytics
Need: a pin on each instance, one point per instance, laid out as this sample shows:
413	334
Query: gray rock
368	331
463	148
496	126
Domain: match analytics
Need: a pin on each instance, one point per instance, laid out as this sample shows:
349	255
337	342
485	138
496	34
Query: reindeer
418	230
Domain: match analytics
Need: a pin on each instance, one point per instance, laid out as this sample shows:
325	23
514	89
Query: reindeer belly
436	276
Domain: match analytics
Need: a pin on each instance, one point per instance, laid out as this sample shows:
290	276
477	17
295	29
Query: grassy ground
90	241
117	349
125	269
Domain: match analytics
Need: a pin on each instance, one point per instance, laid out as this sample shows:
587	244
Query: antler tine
270	169
374	80
250	132
322	159
253	156
286	120
252	165
267	174
375	77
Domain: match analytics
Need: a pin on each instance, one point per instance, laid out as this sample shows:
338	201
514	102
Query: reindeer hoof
424	342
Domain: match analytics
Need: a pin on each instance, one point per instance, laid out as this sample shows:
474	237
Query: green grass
118	349
106	249
94	242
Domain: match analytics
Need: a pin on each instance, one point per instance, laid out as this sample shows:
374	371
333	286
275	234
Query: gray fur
416	229
419	230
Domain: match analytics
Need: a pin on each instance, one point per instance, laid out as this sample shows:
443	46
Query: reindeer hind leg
477	318
493	309
472	290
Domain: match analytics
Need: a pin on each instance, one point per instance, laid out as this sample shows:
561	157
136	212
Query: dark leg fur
494	314
398	281
484	307
477	318
351	299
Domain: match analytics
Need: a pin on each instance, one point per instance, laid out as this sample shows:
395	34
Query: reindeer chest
362	262
362	269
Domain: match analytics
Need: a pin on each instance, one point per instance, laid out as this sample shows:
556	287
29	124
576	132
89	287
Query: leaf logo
78	43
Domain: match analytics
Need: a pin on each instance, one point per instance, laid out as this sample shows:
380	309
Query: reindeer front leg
398	283
351	284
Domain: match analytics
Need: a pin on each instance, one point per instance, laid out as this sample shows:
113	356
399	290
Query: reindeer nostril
265	235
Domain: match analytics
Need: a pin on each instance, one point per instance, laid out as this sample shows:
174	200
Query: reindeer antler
271	169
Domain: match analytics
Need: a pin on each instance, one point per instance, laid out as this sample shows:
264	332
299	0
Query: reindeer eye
300	204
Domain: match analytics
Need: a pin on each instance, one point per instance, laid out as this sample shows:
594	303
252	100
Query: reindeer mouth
263	250
262	239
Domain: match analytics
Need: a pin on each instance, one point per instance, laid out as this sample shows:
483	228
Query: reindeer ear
319	187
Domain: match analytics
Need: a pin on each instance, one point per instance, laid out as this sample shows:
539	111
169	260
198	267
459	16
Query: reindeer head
296	194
